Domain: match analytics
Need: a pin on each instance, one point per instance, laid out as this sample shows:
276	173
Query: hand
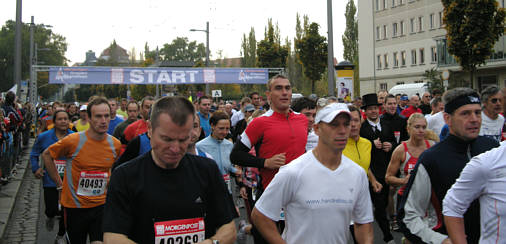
39	173
447	241
406	179
376	186
243	193
387	146
275	162
378	144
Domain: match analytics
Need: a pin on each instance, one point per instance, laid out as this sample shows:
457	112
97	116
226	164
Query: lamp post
207	49
330	50
17	47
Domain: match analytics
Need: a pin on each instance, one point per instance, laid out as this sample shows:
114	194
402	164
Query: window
394	29
396	60
431	21
441	24
385	4
403	58
420	23
384	86
401	27
378	33
400	83
379	61
377	5
386	61
413	57
401	2
393	3
422	56
385	32
433	55
412	25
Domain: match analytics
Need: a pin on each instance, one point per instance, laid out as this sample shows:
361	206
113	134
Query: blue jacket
113	123
220	151
204	123
44	140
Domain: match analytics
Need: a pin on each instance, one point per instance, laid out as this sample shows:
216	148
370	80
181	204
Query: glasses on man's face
495	100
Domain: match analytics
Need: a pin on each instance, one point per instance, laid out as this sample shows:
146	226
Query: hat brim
367	105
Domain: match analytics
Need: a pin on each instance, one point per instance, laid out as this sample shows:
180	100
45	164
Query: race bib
182	231
282	215
226	178
60	166
92	183
397	135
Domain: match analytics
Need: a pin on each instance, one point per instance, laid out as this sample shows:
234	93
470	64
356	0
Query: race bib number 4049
183	231
92	183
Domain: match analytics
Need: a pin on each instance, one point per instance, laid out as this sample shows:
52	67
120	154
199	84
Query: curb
9	192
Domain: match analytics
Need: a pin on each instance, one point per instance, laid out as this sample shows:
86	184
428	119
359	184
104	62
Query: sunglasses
495	100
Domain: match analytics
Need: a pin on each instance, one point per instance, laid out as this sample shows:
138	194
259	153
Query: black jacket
379	158
397	123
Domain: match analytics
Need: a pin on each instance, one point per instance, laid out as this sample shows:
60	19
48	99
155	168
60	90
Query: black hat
370	99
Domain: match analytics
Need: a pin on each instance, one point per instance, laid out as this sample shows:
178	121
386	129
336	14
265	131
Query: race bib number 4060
183	231
92	183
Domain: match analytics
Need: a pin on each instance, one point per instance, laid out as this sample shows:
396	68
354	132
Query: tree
350	42
434	79
269	50
249	49
182	50
313	54
54	46
472	29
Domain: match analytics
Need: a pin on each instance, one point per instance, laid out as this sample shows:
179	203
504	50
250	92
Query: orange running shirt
88	168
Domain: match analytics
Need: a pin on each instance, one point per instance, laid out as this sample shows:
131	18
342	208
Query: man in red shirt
279	136
414	102
140	126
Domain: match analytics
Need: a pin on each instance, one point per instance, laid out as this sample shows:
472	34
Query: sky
93	24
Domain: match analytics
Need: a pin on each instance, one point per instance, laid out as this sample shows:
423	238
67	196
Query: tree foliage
434	79
270	52
350	42
249	49
313	54
473	27
53	53
182	50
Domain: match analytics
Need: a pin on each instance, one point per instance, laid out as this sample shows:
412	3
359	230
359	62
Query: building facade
400	39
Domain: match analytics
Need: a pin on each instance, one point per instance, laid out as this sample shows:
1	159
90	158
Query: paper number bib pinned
60	166
226	178
182	231
92	183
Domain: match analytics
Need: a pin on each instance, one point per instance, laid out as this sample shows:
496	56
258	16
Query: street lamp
207	49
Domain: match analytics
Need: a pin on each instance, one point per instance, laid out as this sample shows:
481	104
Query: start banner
153	76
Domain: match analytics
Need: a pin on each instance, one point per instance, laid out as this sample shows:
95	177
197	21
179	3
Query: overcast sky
93	24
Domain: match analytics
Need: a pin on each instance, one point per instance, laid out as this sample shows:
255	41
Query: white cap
83	107
329	112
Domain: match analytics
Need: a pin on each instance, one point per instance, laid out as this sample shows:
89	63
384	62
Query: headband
458	102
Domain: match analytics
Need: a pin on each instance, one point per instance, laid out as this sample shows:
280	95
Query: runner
419	210
90	155
51	198
483	179
218	147
307	107
278	136
381	136
204	106
492	120
82	124
152	195
316	210
140	126
115	119
132	113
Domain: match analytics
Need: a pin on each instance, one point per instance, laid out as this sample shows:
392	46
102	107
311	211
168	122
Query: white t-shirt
312	140
484	177
318	203
436	122
491	128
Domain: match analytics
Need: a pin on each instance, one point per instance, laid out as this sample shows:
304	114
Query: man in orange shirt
90	155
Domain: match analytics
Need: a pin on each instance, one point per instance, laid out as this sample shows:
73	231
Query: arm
416	206
364	233
34	158
116	238
469	186
240	156
393	168
374	183
51	168
267	227
225	234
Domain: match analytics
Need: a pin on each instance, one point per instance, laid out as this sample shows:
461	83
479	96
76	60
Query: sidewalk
9	192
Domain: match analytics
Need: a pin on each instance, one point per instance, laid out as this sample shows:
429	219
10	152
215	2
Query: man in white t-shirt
316	211
492	122
436	121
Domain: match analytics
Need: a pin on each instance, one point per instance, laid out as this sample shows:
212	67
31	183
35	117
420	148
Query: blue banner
153	76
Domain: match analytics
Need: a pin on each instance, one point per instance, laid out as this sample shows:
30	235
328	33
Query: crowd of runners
311	170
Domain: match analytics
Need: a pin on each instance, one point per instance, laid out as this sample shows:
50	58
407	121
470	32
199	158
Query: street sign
216	93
